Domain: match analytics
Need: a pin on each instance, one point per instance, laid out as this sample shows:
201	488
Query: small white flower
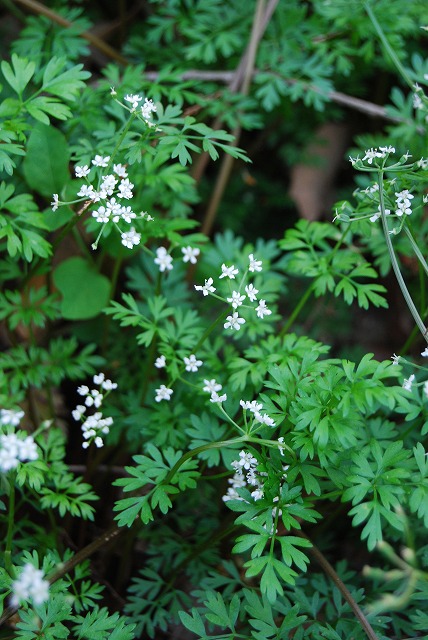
125	189
55	202
216	398
30	586
130	238
280	443
83	390
257	494
10	416
234	322
255	265
101	161
251	292
27	449
264	419
163	393
228	272
371	154
247	460
262	309
108	385
81	172
395	359
78	412
407	384
378	214
192	364
134	99
160	362
163	259
148	108
236	300
86	191
212	386
424	353
403	203
206	288
98	378
190	254
120	170
252	406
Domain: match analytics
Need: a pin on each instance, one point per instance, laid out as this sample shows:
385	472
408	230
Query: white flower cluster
245	474
255	408
15	447
237	297
403	204
164	259
147	108
382	152
112	190
95	425
30	586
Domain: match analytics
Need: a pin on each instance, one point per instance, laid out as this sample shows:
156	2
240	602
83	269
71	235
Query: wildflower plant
177	456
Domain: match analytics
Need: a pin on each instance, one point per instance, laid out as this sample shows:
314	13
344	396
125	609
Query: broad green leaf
46	162
85	292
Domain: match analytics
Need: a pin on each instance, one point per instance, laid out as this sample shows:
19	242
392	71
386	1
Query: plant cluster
178	458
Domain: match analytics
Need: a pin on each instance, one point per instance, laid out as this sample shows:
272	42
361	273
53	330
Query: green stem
416	249
388	47
408	298
297	309
10	524
210	329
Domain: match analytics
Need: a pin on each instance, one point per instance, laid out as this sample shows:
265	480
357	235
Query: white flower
83	390
160	362
234	322
78	412
247	460
192	364
388	149
81	172
102	215
251	406
87	191
251	292
378	214
212	386
148	108
236	300
125	189
130	238
100	161
255	265
134	99
424	353
395	359
264	419
216	398
280	443
403	203
108	385
206	288
163	393
107	185
407	384
371	154
120	170
98	378
14	450
30	585
10	416
55	202
262	309
228	272
190	254
257	494
163	259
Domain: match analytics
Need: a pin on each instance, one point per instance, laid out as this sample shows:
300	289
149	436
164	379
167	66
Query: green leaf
85	292
46	162
20	75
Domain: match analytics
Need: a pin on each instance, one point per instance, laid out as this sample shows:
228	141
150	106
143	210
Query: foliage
233	450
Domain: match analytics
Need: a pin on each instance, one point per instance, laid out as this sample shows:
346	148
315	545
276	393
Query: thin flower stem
408	298
416	249
326	566
388	48
210	329
10	523
303	300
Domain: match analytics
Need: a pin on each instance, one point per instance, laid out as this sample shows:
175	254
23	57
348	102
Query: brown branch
98	43
328	569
